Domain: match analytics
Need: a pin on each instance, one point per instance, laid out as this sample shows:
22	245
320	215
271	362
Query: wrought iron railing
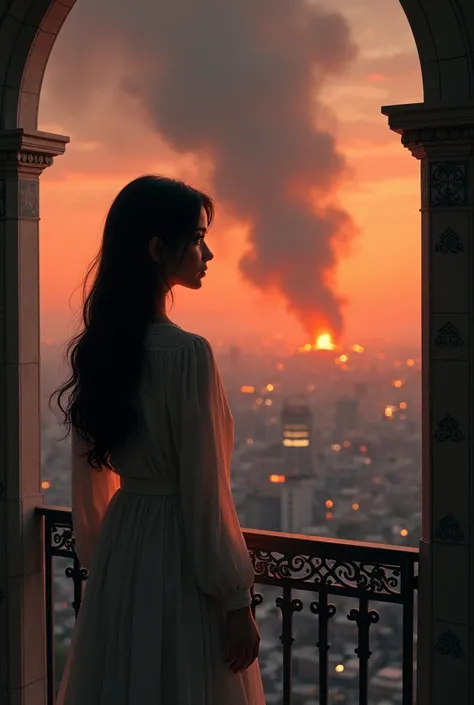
368	573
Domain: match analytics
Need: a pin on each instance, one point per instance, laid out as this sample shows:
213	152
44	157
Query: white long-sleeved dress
164	546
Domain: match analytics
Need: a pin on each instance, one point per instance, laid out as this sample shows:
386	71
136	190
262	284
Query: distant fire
323	342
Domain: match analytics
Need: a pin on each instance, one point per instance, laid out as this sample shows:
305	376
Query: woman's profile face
192	265
186	268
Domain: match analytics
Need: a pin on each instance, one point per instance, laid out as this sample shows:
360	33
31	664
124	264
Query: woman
166	616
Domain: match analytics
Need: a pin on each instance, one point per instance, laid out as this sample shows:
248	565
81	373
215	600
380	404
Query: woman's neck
160	309
161	317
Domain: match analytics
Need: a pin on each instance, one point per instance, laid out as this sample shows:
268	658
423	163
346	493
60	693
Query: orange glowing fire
324	341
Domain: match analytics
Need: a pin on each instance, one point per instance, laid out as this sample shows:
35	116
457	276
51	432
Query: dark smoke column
239	80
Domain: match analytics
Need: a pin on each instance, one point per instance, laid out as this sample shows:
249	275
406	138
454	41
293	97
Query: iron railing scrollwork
328	567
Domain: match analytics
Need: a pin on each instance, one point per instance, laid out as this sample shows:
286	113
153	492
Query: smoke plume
239	81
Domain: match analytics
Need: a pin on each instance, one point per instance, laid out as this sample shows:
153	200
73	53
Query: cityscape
328	444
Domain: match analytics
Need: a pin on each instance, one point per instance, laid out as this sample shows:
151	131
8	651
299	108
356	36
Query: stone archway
439	132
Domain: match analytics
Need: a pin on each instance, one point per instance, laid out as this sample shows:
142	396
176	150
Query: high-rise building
346	415
297	498
296	429
262	512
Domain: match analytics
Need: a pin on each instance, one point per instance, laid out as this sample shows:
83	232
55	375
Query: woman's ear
156	249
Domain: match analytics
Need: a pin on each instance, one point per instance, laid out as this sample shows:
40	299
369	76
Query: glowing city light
268	402
357	349
363	449
355	506
270	387
336	447
397	383
247	389
45	485
329	515
403	532
329	503
339	668
343	358
346	444
403	405
410	362
288	432
295	442
278	479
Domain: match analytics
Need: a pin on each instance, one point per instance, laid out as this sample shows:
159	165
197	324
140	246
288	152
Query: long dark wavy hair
106	357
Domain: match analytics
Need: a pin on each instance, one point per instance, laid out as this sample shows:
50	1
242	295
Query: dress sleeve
91	492
205	438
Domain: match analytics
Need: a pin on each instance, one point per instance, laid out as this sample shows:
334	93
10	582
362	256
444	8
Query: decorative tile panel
448	253
451	664
448	183
448	429
449	242
449	530
450	339
449	644
450	452
28	198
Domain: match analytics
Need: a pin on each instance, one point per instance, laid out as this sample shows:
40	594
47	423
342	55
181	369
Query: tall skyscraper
297	498
346	416
297	432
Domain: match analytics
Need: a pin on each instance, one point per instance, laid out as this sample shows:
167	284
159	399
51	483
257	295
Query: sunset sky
103	87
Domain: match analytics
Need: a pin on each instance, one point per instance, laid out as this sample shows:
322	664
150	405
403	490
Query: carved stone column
443	140
22	611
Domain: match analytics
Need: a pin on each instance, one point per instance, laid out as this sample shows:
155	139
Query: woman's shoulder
169	337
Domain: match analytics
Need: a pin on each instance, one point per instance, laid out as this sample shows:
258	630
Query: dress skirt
146	634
